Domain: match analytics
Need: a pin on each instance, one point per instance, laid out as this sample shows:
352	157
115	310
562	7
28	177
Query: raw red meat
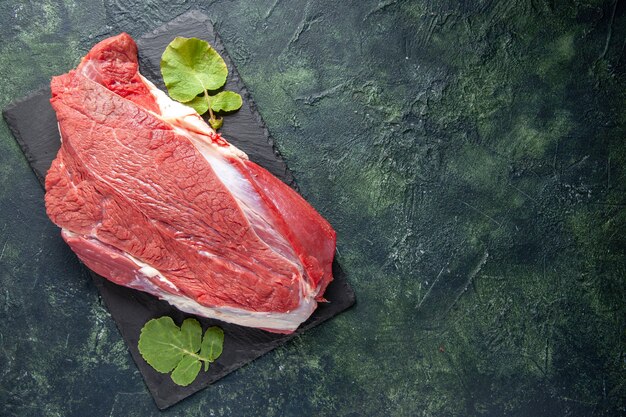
150	197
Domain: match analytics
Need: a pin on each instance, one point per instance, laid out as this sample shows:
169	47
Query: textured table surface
472	159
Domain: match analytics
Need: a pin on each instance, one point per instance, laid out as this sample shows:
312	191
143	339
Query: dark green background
471	158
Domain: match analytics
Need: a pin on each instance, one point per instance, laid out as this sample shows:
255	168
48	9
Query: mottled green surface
472	160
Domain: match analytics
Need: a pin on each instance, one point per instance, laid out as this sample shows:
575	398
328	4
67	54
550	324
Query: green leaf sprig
191	69
180	350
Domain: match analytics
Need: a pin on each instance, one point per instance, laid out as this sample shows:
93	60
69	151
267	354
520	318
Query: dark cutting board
34	126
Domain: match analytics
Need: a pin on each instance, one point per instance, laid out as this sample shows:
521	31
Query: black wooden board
34	126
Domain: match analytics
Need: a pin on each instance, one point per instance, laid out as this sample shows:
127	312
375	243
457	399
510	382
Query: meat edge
103	259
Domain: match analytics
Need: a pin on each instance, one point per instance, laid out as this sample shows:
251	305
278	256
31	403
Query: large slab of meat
150	197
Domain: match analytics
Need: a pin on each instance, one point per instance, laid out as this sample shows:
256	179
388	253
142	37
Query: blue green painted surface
472	160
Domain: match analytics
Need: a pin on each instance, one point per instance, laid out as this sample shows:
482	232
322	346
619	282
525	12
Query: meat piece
150	197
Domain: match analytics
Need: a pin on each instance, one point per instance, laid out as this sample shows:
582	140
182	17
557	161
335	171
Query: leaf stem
213	121
208	102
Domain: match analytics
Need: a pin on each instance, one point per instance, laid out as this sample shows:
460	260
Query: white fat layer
268	320
151	272
184	118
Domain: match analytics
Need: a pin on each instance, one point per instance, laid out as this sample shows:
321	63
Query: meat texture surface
150	197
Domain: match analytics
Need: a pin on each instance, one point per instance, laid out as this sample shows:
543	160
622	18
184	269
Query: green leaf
186	371
190	66
199	104
160	344
191	333
167	347
212	344
226	101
